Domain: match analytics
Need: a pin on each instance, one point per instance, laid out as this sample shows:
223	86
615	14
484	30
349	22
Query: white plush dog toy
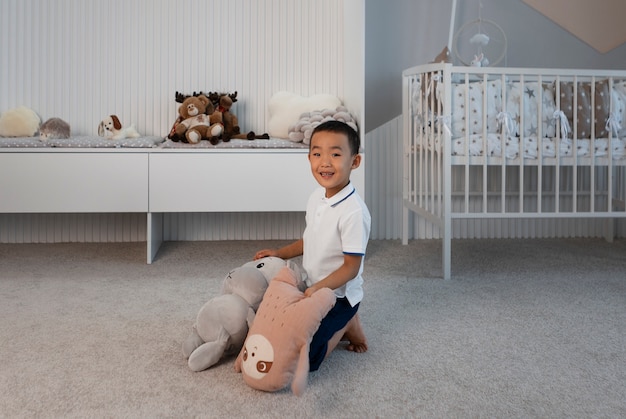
112	127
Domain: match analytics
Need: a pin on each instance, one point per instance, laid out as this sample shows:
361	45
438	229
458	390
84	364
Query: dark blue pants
335	320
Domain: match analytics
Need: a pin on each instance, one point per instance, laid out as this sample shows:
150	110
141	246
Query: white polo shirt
335	226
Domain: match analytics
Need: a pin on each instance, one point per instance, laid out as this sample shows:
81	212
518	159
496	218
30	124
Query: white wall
404	33
83	60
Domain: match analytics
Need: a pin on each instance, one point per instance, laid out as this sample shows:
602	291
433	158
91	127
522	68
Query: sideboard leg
155	234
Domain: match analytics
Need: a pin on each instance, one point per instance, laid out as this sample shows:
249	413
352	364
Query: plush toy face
258	357
193	106
276	351
269	266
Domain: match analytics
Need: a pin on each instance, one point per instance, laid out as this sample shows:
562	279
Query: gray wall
402	33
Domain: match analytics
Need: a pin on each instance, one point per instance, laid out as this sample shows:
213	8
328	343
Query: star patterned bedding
534	117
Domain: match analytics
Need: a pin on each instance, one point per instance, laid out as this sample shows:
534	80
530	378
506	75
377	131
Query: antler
180	98
214	97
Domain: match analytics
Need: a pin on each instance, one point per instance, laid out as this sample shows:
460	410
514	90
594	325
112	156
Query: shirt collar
340	196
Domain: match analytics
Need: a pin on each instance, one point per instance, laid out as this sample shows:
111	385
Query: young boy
335	238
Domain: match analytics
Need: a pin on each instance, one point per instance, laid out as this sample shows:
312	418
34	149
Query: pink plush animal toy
276	350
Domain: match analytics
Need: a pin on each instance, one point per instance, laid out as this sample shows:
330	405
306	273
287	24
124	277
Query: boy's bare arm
286	252
338	278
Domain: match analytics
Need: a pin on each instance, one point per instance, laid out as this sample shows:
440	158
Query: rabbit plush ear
116	122
101	129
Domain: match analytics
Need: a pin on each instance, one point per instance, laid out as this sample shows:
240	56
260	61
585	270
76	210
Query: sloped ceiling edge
599	23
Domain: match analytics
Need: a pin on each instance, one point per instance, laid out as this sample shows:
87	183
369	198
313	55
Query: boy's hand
265	253
309	291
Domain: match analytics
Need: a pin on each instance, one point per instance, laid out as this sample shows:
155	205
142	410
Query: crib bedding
81	141
537	108
539	112
475	145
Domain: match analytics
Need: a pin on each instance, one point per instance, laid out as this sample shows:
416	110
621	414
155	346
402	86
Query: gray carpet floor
526	328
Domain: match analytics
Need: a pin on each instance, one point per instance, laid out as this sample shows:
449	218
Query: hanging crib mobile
480	42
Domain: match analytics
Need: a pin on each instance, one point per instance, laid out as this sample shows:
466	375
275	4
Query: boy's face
331	160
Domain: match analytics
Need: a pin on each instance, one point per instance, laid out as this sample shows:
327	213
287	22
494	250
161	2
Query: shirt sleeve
354	233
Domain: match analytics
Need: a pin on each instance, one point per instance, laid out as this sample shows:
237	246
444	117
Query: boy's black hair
341	128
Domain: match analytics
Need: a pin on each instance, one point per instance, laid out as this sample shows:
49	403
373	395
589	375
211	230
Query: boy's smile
331	161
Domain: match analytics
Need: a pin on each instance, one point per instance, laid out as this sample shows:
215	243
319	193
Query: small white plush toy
19	122
112	128
479	61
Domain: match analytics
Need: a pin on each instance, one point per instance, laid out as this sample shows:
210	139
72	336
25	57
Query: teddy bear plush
276	350
223	321
195	124
180	98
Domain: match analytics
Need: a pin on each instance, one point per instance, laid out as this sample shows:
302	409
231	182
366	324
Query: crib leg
405	225
609	230
447	255
447	246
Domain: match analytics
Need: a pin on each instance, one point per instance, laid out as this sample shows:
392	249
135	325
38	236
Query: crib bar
445	147
407	144
503	175
485	100
512	144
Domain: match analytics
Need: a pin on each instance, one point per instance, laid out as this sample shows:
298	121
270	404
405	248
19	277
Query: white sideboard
156	181
73	181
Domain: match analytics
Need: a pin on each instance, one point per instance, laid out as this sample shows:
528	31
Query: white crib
510	143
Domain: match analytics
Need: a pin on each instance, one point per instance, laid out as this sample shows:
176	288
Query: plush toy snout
192	110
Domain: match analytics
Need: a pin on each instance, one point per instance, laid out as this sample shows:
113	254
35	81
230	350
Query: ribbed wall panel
233	226
68	228
383	180
82	61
